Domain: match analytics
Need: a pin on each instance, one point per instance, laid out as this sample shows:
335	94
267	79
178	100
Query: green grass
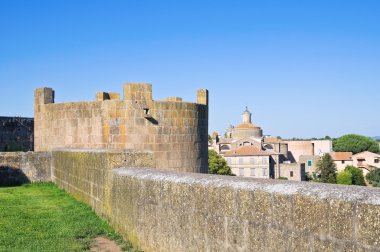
41	217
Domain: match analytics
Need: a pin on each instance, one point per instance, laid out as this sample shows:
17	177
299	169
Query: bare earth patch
102	244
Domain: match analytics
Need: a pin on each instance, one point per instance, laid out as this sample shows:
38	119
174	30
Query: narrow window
291	174
264	172
252	160
253	172
376	161
241	172
343	162
264	160
309	163
241	161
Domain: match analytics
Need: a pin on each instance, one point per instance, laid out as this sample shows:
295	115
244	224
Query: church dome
247	128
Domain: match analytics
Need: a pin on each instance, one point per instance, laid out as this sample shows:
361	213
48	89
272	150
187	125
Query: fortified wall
175	131
16	133
161	210
114	146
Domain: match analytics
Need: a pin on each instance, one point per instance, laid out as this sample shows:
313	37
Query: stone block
282	211
310	215
341	219
368	225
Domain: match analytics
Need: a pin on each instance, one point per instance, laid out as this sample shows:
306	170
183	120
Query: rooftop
340	156
249	151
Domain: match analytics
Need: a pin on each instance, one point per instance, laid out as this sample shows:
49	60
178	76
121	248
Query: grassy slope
41	217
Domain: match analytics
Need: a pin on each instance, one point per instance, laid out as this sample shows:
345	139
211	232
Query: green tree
326	169
344	178
209	139
217	164
357	175
356	144
373	177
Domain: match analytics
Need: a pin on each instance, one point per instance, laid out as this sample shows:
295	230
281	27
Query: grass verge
42	217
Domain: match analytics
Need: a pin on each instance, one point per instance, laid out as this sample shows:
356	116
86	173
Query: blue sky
304	68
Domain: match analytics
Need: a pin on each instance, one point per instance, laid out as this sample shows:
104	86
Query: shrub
217	164
357	175
344	178
373	177
283	178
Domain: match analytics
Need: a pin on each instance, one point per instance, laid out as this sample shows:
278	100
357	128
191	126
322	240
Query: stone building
298	148
342	159
366	161
16	133
175	131
249	153
245	143
251	161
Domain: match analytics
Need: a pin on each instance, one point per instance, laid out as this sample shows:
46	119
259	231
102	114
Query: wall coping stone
101	150
357	194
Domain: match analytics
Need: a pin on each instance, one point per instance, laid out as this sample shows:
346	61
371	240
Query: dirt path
102	244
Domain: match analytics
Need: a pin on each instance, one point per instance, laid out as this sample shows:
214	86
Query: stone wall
309	160
175	131
16	134
21	167
174	211
87	174
294	171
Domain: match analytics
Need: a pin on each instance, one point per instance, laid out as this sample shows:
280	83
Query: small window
376	161
291	174
241	161
252	160
253	172
343	161
309	163
229	161
241	172
265	160
264	172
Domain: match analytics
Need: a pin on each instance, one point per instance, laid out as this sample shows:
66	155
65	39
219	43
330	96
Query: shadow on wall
10	176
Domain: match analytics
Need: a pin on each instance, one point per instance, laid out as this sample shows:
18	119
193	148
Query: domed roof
246	126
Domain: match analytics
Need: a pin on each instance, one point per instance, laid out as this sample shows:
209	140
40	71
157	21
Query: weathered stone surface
22	167
175	131
172	211
368	224
16	133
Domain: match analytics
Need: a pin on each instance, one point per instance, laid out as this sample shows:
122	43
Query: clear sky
303	68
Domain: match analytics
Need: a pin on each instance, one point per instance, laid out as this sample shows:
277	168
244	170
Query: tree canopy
357	175
355	144
326	169
217	164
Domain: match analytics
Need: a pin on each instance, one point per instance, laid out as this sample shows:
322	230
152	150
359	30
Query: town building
366	161
251	154
342	159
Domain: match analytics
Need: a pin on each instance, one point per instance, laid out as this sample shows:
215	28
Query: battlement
176	131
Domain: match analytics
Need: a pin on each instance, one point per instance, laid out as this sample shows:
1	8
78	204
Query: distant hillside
376	137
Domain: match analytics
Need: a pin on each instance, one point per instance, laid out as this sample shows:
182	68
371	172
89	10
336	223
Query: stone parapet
21	167
176	131
160	210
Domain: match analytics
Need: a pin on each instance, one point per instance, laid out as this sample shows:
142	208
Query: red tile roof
339	156
249	151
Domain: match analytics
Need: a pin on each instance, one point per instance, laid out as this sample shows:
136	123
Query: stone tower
175	131
247	116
